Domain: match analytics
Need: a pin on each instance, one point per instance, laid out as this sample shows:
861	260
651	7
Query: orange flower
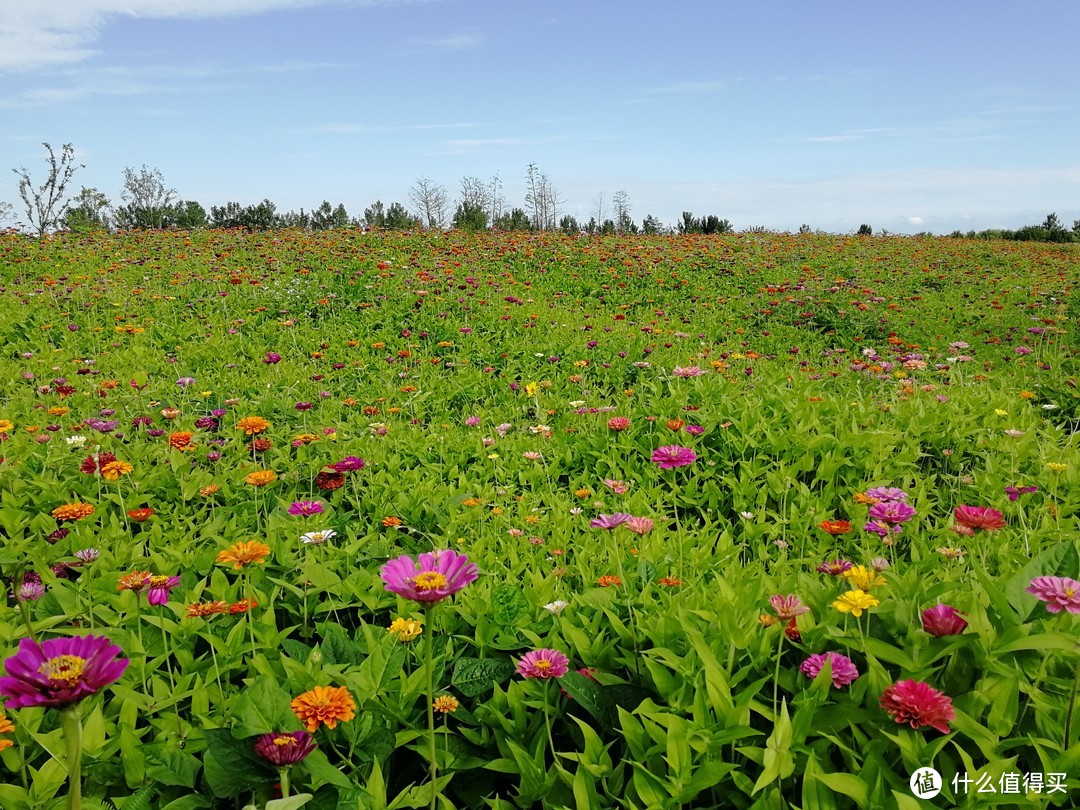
835	526
252	425
135	581
675	424
170	413
6	727
181	441
114	469
670	582
608	581
324	704
260	478
240	554
243	606
391	521
73	511
201	610
864	499
141	515
208	490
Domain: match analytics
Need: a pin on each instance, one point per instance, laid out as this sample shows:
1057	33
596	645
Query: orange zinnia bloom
608	580
141	515
73	511
181	441
260	478
135	581
201	610
252	425
391	521
835	526
114	469
240	554
208	490
324	704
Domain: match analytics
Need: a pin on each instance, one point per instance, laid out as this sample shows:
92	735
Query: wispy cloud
43	33
466	145
365	129
688	89
459	41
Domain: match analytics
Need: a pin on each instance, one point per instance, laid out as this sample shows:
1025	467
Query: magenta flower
271	358
943	620
433	578
843	670
886	494
543	664
158	587
881	528
787	607
472	421
979	517
285	748
834	568
891	512
349	464
673	455
609	521
1016	492
305	508
1059	593
917	704
60	671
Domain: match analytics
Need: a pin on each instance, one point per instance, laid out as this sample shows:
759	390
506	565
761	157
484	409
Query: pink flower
891	512
979	517
305	508
673	455
609	521
787	607
943	620
618	423
433	578
60	671
158	587
543	664
918	704
639	525
834	568
843	671
618	487
1059	593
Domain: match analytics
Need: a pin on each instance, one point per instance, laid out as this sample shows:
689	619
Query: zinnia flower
859	576
834	568
285	748
305	508
787	607
843	670
405	629
979	517
1016	492
609	521
886	494
324	704
639	525
543	664
835	527
434	577
608	581
618	423
260	478
318	538
855	602
891	512
445	704
945	620
1059	593
158	588
135	581
73	511
60	671
252	425
670	456
240	554
918	704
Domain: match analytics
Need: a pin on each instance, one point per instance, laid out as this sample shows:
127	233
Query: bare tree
430	200
496	198
621	203
598	214
45	204
542	201
7	211
149	202
475	193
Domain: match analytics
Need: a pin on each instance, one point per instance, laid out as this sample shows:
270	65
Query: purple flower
609	521
306	508
303	406
184	382
60	671
285	748
543	664
694	430
843	671
206	423
881	528
672	456
943	620
891	512
30	592
787	607
271	358
87	555
834	568
472	421
1016	492
349	464
886	494
433	578
158	587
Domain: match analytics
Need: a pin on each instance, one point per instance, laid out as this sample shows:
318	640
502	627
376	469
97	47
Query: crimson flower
285	748
979	517
843	670
943	620
918	704
61	671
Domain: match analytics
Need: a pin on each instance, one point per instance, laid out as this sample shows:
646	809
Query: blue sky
907	116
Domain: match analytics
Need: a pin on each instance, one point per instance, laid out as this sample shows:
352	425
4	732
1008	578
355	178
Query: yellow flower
6	426
405	629
855	602
1026	395
1000	412
240	554
260	478
114	469
1055	467
863	578
531	389
445	704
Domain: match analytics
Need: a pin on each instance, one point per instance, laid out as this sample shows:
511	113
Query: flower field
373	520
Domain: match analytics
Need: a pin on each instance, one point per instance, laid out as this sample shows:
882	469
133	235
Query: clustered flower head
324	705
978	517
918	704
843	670
1059	593
285	748
543	664
669	457
943	620
61	671
432	578
787	607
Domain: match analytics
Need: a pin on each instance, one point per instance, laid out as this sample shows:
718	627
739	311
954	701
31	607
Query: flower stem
21	605
429	666
776	678
284	774
142	646
547	722
72	726
1069	713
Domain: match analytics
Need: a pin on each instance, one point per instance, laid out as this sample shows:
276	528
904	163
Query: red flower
979	517
918	704
329	478
93	463
835	527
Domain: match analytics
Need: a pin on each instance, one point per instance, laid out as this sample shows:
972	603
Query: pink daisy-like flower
671	456
943	620
60	671
609	521
305	508
886	494
158	587
979	517
843	670
918	704
285	748
891	512
543	664
640	525
1059	593
787	607
432	578
834	568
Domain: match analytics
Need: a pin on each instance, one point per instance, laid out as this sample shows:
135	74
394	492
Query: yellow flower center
429	581
63	670
1070	592
284	741
543	665
158	581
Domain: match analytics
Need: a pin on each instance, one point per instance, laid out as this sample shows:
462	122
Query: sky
914	116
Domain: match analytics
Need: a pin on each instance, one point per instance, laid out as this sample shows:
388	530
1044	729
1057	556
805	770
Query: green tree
651	226
375	215
45	208
188	215
87	211
864	230
471	217
398	218
569	225
229	215
149	202
515	220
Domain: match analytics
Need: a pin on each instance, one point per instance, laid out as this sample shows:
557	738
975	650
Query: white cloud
42	33
461	41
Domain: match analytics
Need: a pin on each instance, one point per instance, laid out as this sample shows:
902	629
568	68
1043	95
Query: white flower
1049	406
577	403
556	607
318	538
746	515
75	441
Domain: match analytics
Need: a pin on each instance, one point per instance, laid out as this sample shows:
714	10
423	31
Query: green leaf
508	604
590	696
231	766
475	676
263	708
